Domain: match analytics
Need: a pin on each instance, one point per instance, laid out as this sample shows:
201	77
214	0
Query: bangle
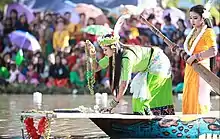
199	57
113	103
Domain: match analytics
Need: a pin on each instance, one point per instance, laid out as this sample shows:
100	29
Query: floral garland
189	52
90	73
34	133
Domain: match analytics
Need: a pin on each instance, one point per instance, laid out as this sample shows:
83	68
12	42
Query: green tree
3	3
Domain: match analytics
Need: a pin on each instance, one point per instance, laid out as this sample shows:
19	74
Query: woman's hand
191	59
112	105
91	49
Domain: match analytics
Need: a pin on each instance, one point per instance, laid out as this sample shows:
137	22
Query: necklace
191	34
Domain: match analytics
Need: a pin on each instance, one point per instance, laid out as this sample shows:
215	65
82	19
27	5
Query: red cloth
133	41
61	82
91	37
71	61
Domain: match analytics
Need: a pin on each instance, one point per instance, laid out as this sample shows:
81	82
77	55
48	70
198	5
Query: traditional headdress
108	41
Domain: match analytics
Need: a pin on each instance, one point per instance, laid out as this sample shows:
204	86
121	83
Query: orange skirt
196	93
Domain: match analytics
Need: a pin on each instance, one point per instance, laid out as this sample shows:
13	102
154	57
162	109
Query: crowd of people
62	61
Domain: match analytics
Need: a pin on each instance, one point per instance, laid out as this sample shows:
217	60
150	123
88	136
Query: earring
113	46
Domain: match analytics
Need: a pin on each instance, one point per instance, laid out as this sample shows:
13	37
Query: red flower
32	131
42	125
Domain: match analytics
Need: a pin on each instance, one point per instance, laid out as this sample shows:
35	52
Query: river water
12	105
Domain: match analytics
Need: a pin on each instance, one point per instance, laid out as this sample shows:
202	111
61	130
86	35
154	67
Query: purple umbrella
22	9
69	8
24	40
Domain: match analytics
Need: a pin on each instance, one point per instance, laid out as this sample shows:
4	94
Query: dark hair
214	23
167	17
36	13
93	19
182	21
2	62
151	16
23	15
67	13
118	63
1	15
82	14
14	11
118	66
61	20
199	9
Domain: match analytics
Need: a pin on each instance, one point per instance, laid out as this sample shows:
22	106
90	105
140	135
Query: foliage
3	3
174	3
215	12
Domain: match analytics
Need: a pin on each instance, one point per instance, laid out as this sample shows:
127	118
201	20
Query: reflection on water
12	105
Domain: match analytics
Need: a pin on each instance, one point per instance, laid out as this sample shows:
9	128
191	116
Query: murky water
12	105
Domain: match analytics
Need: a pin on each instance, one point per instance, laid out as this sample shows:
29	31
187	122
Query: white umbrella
24	40
175	14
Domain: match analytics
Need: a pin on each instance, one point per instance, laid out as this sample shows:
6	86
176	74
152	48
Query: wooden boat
138	126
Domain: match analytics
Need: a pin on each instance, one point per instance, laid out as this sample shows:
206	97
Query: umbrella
66	6
97	30
185	4
92	11
74	16
70	3
21	9
175	14
24	40
44	4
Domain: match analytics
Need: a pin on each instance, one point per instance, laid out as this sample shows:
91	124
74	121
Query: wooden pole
207	75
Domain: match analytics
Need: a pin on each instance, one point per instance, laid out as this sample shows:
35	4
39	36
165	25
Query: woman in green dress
151	87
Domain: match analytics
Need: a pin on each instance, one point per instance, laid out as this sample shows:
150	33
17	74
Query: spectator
42	69
180	30
59	73
71	28
14	17
37	19
46	35
91	21
168	29
60	37
78	34
22	24
14	72
8	26
155	40
32	75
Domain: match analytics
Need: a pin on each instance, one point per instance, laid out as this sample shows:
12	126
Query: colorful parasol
97	30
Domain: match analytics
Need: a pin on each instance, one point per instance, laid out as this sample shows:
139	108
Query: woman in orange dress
201	45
